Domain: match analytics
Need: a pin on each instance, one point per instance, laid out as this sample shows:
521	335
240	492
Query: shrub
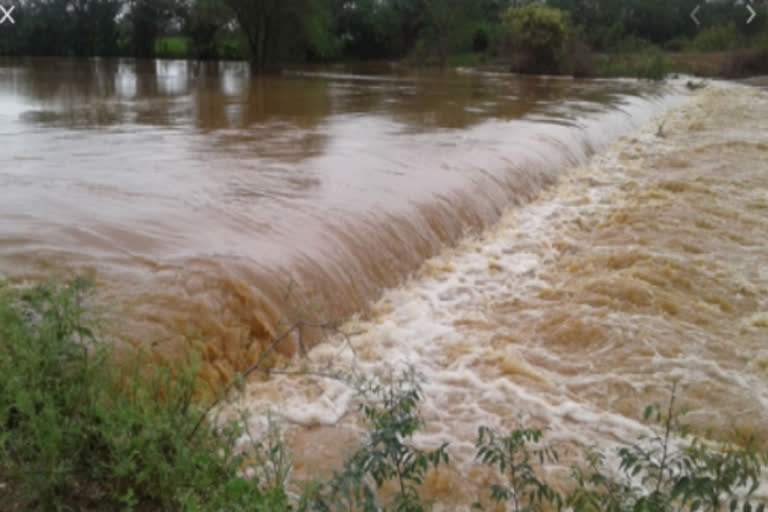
391	411
73	436
722	38
678	44
581	62
513	457
538	35
672	470
656	65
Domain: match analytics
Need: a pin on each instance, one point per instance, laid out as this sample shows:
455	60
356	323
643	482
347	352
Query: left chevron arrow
693	15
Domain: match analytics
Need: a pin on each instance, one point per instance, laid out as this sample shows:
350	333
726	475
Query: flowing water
644	267
456	215
217	204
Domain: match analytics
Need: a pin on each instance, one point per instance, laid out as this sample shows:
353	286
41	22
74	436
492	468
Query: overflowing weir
534	246
218	206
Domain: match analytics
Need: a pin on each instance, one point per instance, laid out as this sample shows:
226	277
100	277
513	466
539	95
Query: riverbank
650	64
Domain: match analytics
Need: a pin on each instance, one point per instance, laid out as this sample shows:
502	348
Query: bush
672	470
538	36
513	457
580	62
716	39
656	65
391	411
73	436
678	44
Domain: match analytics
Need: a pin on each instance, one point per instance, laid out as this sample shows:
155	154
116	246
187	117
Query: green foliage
465	60
513	457
73	436
61	27
205	22
721	38
277	31
481	39
672	470
652	64
539	34
656	65
391	413
147	20
678	44
172	48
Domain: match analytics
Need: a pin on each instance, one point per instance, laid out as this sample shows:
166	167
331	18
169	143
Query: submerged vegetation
77	434
581	37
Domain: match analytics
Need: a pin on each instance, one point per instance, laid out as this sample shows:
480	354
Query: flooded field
555	251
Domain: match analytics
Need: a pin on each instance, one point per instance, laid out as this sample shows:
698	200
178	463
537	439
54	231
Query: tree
94	26
443	16
148	20
202	22
539	34
280	30
367	29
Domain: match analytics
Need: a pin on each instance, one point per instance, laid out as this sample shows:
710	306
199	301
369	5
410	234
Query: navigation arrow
750	9
693	15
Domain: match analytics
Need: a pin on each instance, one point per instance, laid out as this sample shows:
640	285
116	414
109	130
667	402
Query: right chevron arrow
752	11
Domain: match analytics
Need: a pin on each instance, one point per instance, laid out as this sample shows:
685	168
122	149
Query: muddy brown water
215	204
538	248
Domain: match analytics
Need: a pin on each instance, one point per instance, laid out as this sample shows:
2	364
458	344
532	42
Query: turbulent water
217	205
645	267
489	230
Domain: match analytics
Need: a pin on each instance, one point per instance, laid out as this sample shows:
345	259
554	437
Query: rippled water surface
217	203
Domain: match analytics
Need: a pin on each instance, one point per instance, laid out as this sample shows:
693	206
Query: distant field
172	47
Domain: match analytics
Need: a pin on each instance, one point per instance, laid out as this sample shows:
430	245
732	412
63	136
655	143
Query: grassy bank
77	433
657	64
650	63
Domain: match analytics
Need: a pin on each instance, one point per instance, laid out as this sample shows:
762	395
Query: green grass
651	64
467	60
172	48
76	436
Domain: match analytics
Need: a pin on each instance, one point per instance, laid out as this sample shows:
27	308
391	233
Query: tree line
273	32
